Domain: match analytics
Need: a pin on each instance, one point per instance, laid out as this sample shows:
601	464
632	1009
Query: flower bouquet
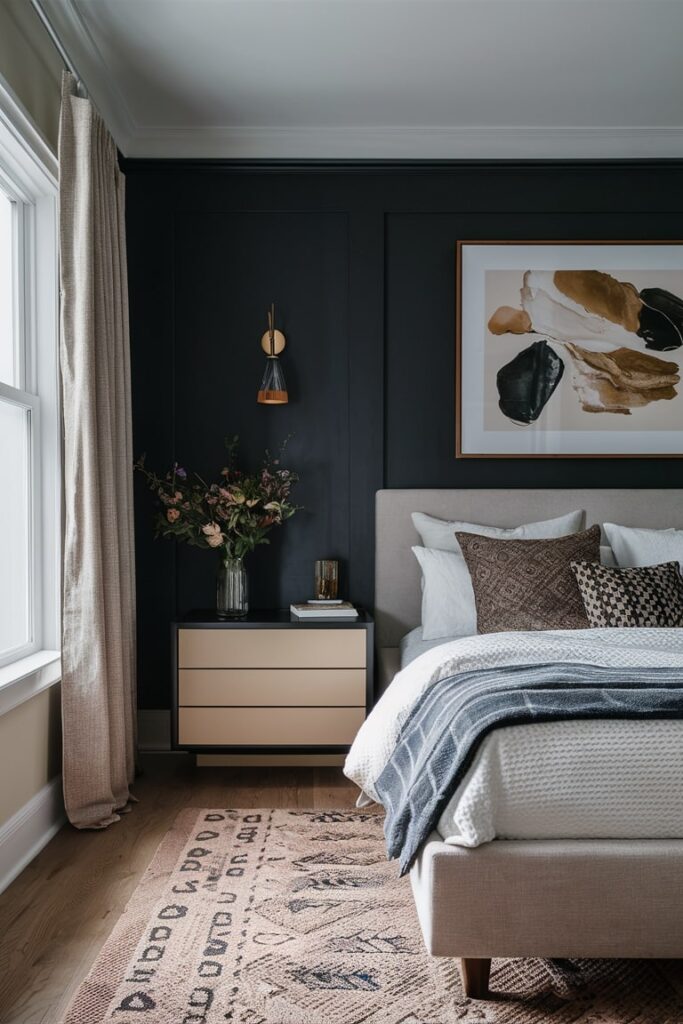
233	515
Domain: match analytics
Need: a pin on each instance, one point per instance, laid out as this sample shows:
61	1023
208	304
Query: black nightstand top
278	618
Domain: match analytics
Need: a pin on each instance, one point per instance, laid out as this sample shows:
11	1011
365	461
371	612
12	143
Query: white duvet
612	779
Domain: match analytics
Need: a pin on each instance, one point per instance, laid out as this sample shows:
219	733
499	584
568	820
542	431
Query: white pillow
448	607
440	533
607	556
635	546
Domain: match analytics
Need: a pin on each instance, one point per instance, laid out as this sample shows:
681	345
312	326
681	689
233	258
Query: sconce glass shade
273	390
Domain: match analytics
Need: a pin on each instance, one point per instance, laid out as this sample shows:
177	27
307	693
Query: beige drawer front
268	726
271	648
330	687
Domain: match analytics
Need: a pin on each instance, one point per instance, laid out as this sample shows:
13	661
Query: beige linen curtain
98	633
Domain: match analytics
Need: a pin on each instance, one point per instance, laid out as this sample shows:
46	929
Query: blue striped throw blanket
440	737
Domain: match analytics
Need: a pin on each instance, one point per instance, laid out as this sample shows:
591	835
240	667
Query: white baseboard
30	829
154	729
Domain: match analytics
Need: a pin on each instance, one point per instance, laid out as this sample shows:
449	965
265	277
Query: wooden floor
55	917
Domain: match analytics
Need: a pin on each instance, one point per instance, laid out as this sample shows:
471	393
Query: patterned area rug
295	917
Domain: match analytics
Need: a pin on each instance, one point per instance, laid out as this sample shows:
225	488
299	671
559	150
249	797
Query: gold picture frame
474	343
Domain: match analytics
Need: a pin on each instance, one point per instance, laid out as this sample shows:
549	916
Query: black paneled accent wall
360	261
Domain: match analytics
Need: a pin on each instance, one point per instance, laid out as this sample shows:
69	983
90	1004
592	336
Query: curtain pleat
98	632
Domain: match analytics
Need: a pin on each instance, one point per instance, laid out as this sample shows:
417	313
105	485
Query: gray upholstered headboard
397	576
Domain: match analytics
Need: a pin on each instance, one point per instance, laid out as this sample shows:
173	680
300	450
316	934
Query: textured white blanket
581	779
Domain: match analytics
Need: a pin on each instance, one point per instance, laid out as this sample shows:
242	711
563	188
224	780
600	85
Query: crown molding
403	143
137	140
88	64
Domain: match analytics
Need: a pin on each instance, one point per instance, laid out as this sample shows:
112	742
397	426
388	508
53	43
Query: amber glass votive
326	579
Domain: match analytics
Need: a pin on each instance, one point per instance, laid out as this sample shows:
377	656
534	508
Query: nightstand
270	684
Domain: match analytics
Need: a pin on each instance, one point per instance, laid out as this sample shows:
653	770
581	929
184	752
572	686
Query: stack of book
324	610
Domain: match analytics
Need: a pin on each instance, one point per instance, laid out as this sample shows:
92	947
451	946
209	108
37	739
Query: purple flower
179	471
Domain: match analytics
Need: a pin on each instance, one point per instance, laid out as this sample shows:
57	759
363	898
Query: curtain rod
59	46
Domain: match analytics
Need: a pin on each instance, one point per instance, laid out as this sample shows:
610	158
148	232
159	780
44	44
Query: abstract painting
570	349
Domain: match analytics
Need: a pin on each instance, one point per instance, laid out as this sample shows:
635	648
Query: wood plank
56	916
330	789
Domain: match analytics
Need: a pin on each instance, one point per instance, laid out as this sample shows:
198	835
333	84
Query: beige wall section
30	65
30	752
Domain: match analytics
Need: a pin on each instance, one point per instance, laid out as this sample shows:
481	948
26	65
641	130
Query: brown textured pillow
528	584
650	595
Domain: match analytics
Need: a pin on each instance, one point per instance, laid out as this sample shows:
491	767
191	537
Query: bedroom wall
360	261
31	66
30	762
30	741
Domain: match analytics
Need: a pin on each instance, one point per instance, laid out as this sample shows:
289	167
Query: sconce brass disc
279	342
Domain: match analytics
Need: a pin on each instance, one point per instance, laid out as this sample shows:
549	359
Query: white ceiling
382	78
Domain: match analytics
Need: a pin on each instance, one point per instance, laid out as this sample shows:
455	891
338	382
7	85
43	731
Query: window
19	445
29	429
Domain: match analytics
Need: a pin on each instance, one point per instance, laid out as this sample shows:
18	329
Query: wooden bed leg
475	977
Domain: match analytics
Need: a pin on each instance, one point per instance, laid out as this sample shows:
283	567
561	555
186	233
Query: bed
552	898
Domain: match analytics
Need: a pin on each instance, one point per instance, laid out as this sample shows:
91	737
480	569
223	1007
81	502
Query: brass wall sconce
273	389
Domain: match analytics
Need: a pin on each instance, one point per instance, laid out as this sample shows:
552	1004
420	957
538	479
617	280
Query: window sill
28	677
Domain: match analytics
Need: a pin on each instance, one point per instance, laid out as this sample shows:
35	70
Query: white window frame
28	174
30	403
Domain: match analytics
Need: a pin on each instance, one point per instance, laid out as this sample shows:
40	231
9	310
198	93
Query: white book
343	610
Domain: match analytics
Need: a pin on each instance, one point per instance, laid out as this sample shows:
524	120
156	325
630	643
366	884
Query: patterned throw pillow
647	596
528	584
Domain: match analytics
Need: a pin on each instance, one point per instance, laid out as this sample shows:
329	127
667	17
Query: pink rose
213	534
172	515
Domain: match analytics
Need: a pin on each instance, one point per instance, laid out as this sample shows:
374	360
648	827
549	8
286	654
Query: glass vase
231	589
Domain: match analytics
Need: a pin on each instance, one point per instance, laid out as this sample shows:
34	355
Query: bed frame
560	898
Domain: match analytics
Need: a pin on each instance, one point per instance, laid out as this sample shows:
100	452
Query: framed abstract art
569	349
